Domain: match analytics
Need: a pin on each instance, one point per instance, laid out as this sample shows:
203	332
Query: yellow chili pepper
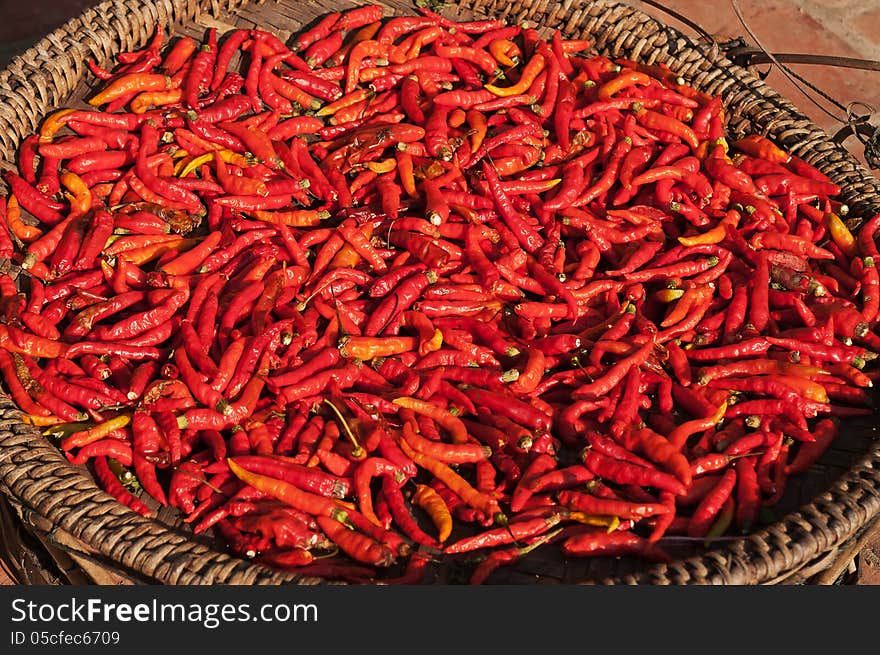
434	343
841	234
96	432
185	159
59	429
434	505
185	167
668	295
608	522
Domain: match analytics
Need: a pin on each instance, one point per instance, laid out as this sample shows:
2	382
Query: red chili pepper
596	542
358	546
114	487
708	508
590	504
401	514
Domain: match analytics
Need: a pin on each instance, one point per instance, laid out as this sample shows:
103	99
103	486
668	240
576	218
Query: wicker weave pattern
35	476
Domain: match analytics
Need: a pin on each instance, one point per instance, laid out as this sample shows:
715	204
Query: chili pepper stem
357	450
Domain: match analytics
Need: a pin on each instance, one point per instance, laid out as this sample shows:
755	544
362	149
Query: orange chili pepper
805	386
692	297
532	372
144	254
42	421
657	121
190	260
411	47
142	102
763	148
529	74
505	51
23	231
457	117
289	494
716	234
477	122
366	33
435	507
293	218
474	498
355	96
238	185
80	196
348	256
131	242
405	172
367	348
625	79
54	123
129	84
447	421
382	166
360	51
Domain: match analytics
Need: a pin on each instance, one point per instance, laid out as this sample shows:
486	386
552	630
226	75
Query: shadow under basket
58	527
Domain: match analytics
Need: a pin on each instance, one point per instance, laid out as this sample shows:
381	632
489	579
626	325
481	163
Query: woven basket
86	536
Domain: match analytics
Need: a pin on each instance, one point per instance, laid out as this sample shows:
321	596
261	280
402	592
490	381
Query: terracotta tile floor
848	28
843	28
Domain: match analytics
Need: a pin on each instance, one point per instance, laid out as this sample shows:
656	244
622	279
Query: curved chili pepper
113	486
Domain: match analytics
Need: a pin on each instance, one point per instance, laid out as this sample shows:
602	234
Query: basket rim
850	504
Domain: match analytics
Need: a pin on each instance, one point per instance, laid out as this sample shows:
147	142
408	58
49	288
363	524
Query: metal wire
791	75
855	123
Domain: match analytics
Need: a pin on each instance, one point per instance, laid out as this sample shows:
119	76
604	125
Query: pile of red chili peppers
403	290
